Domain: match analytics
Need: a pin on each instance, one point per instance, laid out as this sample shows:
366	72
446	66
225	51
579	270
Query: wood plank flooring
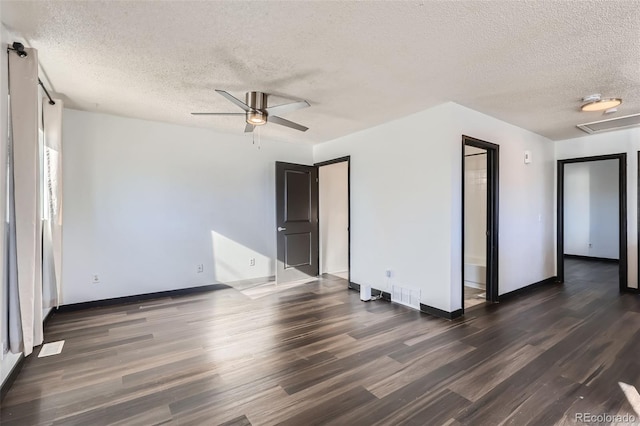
315	354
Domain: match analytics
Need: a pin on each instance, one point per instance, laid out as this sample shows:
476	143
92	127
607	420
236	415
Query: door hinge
317	180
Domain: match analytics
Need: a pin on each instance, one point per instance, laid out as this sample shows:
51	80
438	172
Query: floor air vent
611	124
406	296
53	348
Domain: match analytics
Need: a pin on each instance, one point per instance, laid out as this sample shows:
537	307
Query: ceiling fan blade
285	108
281	121
234	100
249	128
217	113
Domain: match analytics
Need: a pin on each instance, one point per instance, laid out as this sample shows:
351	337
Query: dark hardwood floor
315	354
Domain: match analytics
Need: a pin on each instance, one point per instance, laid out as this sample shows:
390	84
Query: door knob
280	228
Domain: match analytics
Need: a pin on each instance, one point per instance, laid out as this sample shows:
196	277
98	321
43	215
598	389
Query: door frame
622	211
493	215
327	163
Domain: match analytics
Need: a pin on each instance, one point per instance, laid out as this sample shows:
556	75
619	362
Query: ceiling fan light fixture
256	118
257	112
596	103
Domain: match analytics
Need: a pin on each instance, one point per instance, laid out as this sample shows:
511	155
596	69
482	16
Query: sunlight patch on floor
272	287
632	396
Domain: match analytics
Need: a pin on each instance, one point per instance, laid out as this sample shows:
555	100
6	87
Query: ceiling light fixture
597	103
257	102
256	118
257	113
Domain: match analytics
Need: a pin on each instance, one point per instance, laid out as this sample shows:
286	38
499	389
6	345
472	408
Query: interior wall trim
334	161
423	308
528	288
441	313
622	212
140	297
599	259
493	217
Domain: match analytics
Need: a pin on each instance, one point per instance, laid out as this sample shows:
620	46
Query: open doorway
475	225
333	213
312	221
479	222
592	228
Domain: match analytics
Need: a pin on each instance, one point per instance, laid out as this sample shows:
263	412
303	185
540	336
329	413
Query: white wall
591	209
526	204
475	206
146	202
621	141
576	209
401	202
603	206
334	217
406	202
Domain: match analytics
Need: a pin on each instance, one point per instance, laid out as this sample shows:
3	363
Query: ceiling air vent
611	124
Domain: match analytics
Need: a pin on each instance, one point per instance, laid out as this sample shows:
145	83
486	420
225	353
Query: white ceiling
359	64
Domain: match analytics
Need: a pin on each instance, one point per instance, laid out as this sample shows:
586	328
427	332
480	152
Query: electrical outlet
590	245
95	279
252	262
200	268
388	273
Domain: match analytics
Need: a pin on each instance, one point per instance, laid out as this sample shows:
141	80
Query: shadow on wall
233	261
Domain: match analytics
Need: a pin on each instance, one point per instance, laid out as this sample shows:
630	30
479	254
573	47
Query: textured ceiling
359	64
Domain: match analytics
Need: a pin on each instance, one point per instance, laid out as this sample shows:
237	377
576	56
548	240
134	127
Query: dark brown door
296	221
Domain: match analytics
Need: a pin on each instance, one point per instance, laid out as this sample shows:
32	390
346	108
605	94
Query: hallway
593	271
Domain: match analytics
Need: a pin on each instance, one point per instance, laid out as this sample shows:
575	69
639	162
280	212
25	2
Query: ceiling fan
257	112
